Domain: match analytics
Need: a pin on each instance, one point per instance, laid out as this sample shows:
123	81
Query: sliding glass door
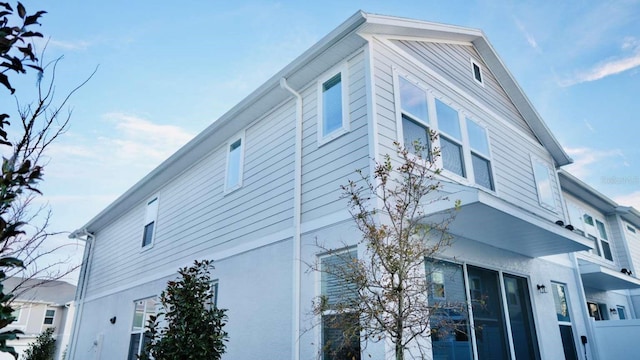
500	314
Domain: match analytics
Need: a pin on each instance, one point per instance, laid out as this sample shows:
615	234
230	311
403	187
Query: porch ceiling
493	221
602	278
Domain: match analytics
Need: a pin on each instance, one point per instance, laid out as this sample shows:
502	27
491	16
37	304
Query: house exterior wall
511	149
250	232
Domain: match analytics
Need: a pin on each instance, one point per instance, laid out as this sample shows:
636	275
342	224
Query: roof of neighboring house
40	290
331	49
593	197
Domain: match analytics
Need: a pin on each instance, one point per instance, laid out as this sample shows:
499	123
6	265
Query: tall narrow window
142	310
622	314
332	106
150	222
543	179
604	241
521	318
450	138
415	117
480	156
233	180
340	331
49	316
564	321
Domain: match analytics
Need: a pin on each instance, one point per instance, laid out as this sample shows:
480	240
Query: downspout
82	284
297	221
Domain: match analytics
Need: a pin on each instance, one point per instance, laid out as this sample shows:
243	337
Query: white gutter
297	221
82	283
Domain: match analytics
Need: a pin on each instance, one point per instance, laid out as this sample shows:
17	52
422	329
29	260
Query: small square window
631	229
477	72
49	316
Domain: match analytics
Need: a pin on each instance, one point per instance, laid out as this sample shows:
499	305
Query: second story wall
510	147
198	215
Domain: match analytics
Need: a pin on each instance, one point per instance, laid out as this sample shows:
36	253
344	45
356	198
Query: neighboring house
261	185
40	304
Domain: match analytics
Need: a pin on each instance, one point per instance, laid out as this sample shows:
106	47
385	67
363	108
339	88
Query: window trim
319	334
341	70
473	72
53	317
239	137
140	331
433	124
150	217
537	181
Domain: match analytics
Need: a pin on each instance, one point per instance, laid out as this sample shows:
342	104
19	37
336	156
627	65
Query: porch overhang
488	219
602	278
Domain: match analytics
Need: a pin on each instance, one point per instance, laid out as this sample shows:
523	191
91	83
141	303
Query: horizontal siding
454	63
326	167
511	151
196	218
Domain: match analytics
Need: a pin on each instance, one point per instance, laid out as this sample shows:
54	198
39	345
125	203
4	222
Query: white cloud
585	159
530	39
631	199
612	66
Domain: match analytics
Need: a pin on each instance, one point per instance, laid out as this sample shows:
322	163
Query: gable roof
38	290
329	50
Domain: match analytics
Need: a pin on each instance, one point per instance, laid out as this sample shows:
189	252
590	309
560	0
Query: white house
261	185
39	305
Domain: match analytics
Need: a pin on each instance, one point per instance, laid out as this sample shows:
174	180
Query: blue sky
169	69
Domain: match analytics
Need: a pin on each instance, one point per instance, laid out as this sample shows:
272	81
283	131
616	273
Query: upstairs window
49	317
235	155
150	222
477	72
332	106
415	117
544	184
604	241
593	229
463	142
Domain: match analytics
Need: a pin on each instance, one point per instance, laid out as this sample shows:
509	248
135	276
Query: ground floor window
597	311
143	309
622	314
340	331
498	324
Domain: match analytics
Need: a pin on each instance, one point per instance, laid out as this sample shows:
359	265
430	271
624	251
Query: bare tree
24	142
383	289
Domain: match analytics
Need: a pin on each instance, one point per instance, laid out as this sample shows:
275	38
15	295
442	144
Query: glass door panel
521	318
487	314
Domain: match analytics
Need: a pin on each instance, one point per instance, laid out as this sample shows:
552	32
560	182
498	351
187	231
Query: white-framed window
17	311
150	219
235	164
592	228
622	312
333	105
563	313
604	240
214	293
465	153
630	229
338	340
49	316
477	73
544	183
143	309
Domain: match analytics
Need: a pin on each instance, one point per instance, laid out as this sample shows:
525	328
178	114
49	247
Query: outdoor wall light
560	223
569	227
625	271
541	288
112	320
613	311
